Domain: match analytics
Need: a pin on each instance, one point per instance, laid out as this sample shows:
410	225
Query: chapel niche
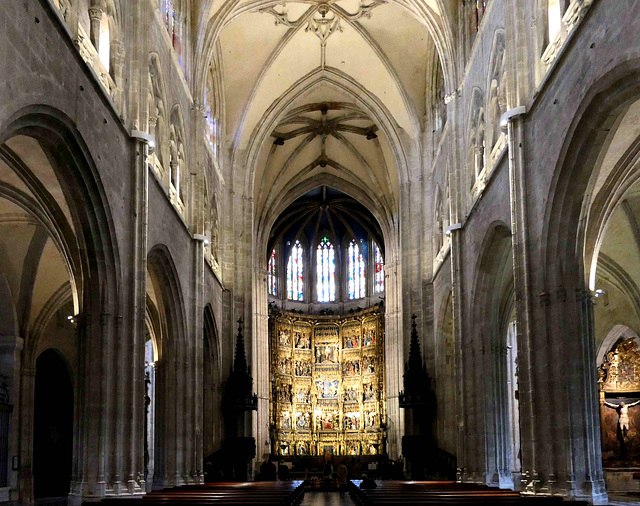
619	381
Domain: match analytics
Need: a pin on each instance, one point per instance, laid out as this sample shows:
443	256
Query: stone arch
213	423
575	216
572	206
618	331
87	243
491	310
53	425
445	379
380	115
171	407
439	25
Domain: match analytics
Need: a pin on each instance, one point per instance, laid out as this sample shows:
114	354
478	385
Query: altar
328	388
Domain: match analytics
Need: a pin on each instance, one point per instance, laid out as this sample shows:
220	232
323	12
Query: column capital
11	343
95	13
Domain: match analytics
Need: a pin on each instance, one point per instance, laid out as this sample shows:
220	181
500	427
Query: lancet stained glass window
378	281
272	275
355	269
295	273
326	271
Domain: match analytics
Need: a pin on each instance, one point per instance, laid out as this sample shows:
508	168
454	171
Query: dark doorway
53	426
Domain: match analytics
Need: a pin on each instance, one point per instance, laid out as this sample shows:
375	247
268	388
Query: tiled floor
325	498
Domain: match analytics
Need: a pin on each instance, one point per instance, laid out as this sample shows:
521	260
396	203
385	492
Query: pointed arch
491	309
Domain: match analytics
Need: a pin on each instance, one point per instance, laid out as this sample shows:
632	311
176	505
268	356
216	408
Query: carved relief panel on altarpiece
328	384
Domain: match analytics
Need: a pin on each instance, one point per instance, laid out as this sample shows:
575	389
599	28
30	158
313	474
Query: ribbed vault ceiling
321	75
325	211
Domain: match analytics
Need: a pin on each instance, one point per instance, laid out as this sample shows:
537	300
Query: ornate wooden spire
417	392
239	391
240	359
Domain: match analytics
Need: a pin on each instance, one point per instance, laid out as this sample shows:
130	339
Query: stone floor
325	498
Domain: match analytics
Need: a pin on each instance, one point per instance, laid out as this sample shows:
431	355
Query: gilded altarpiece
619	381
327	383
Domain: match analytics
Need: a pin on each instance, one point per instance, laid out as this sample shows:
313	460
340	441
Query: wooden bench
443	493
264	493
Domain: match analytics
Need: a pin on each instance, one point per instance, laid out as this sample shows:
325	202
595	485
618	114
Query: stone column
136	350
25	473
95	18
174	174
10	366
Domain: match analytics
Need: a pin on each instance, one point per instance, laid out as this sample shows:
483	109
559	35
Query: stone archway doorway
53	426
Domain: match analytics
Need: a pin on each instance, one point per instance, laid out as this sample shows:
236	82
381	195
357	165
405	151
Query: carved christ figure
623	415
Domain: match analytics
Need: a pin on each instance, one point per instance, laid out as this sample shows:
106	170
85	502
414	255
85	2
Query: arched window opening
272	275
169	15
295	273
173	21
326	271
554	18
379	272
211	122
150	408
355	271
104	51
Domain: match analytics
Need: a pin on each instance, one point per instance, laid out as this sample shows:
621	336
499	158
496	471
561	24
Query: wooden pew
398	493
263	493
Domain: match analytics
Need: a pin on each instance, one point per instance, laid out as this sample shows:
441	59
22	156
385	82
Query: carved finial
415	356
240	360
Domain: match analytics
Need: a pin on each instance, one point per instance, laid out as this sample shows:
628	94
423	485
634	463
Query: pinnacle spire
240	359
415	355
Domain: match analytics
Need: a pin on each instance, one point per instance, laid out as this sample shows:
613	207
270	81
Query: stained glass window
272	276
212	124
295	273
355	271
326	271
169	18
378	281
481	6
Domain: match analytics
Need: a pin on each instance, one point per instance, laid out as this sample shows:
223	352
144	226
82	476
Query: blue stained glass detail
356	271
272	274
295	273
379	273
326	271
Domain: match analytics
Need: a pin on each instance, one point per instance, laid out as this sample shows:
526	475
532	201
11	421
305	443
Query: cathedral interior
402	233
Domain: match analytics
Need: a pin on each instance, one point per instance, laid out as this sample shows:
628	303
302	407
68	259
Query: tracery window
326	271
272	275
295	273
211	123
356	271
378	281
